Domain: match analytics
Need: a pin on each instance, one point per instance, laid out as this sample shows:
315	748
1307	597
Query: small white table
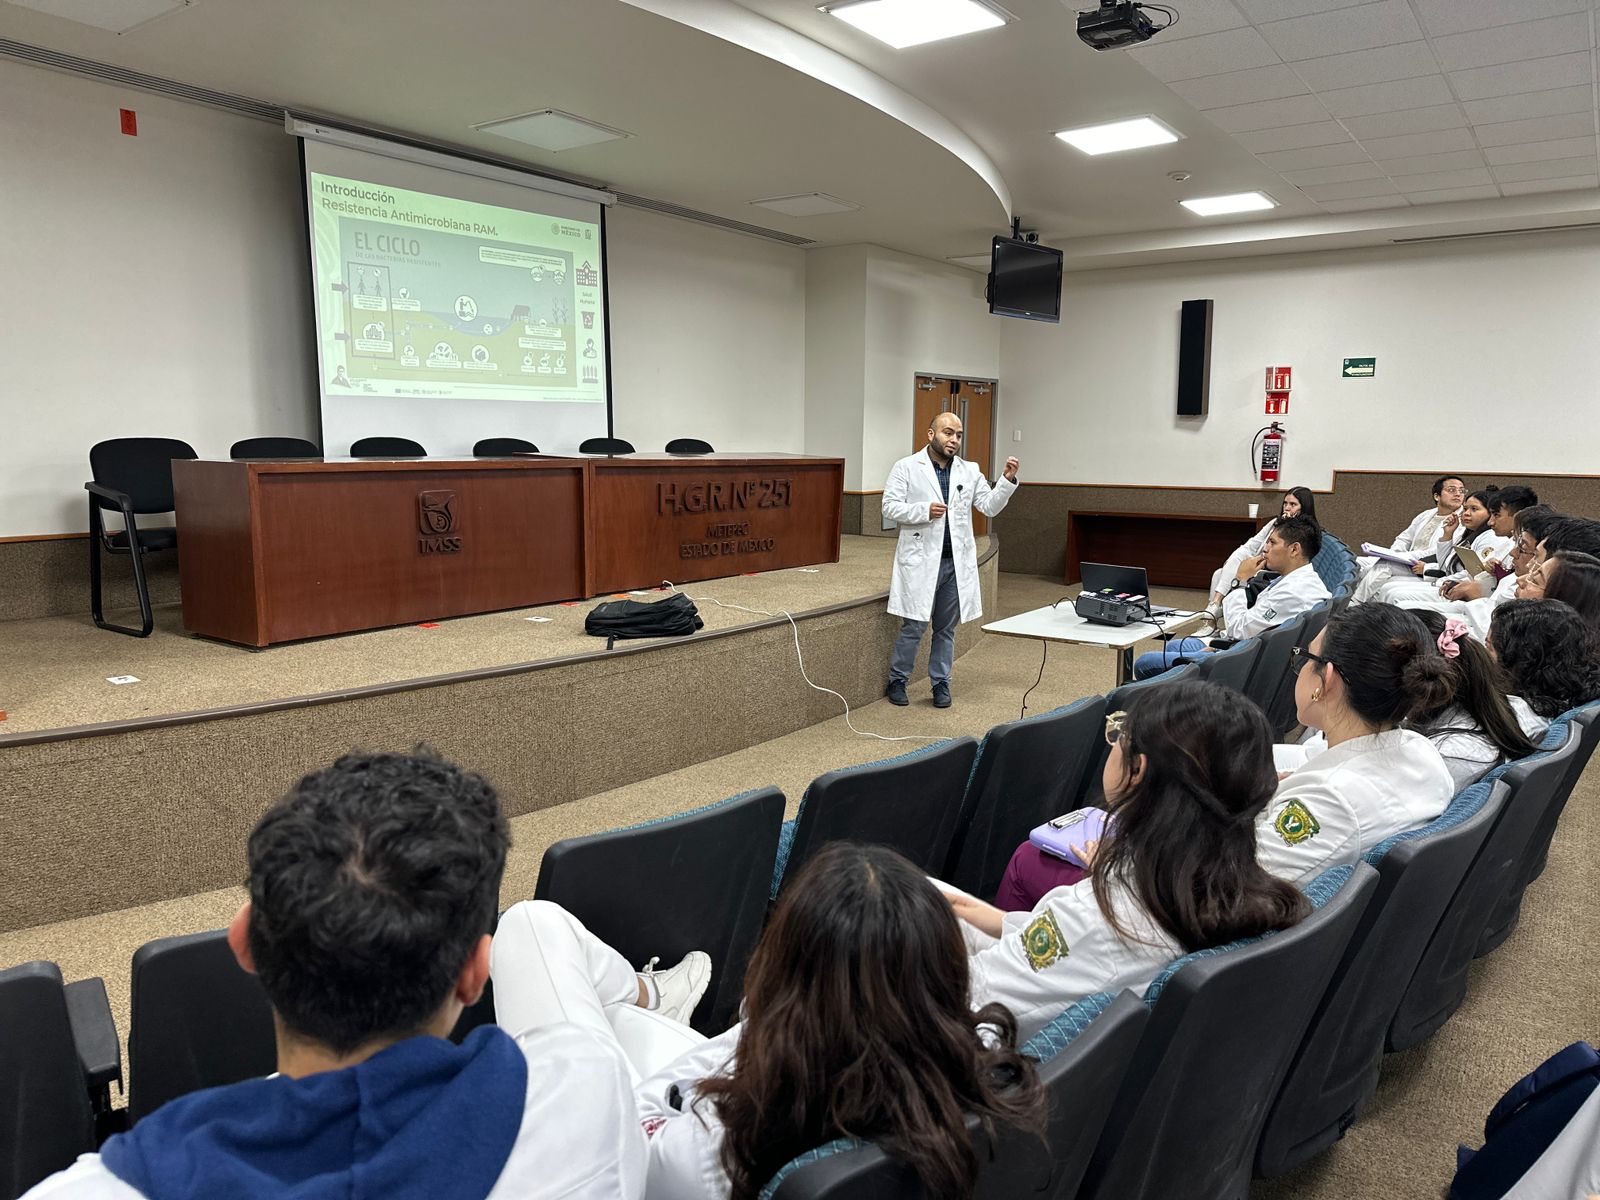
1059	623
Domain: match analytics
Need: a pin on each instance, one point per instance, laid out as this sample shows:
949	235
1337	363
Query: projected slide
426	296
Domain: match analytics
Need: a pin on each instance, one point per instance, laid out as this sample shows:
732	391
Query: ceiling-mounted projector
1120	23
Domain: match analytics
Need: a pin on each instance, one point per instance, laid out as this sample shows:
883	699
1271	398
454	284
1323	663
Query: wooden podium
276	551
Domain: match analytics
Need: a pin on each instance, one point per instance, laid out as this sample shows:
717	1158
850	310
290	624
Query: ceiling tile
1362	205
1441	17
1388	97
1261	11
1292	137
1350	191
1406	60
1242	87
1345	29
1499	156
1550	185
1513	43
1439	142
1315	156
1411	120
1340	174
1539	129
1198	17
1446	195
1556	168
1434	180
1212	54
1507	79
1269	114
1421	164
1550	103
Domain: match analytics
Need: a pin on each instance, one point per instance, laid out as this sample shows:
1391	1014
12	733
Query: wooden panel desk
274	551
1176	549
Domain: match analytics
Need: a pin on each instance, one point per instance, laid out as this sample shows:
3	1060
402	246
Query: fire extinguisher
1268	463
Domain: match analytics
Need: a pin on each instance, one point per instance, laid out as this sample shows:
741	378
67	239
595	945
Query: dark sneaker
896	692
941	695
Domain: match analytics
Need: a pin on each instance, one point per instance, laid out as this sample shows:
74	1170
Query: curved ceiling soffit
732	23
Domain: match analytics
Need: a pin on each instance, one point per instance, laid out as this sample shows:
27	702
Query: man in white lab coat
931	495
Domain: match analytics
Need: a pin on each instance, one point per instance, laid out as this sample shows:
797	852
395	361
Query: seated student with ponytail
1550	655
1190	769
1370	670
1479	728
1297	502
1475	527
856	1023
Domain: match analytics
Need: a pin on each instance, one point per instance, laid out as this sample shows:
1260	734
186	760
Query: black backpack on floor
676	616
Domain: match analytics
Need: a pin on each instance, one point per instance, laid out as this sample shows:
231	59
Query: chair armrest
94	1033
121	499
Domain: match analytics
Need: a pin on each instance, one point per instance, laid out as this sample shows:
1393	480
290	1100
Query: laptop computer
1128	581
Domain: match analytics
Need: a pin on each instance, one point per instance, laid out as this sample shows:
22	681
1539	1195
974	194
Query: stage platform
120	794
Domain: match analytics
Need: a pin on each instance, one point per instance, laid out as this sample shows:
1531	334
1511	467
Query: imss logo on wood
436	518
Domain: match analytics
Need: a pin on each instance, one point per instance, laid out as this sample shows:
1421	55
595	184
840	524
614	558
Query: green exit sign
1360	368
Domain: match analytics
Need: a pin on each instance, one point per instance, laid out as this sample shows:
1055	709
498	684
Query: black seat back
386	447
708	874
274	447
140	468
1026	772
1232	667
498	447
605	445
1272	665
1335	1071
1093	793
46	1119
197	1020
689	446
1223	1026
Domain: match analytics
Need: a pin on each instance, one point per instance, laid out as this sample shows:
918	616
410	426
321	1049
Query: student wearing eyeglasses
1419	537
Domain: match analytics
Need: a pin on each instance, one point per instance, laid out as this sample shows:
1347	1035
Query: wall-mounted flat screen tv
1024	280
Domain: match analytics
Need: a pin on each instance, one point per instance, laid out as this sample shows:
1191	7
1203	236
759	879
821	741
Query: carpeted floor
1526	1000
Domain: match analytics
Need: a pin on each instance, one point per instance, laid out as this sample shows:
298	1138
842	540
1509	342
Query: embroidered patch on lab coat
1295	824
1269	613
1042	941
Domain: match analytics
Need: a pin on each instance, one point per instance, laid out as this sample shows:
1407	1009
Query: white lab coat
1406	590
911	488
1252	547
1345	800
1419	537
1285	597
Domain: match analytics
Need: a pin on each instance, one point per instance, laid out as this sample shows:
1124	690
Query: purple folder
1057	837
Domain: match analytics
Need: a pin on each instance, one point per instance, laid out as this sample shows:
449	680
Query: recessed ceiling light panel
807	204
118	16
902	23
551	129
1216	206
1133	134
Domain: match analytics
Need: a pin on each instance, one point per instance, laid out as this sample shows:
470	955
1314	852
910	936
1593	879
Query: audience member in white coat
1373	667
1549	653
1475	528
1417	538
1531	525
1297	502
1190	767
856	1022
1479	729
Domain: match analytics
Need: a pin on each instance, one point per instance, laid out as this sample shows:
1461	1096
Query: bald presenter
931	496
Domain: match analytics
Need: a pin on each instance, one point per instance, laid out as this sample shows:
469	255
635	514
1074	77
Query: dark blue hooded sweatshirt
423	1118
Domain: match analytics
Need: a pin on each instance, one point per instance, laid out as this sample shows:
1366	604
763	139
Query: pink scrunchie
1454	629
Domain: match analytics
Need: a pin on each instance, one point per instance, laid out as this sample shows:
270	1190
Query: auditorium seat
1272	665
58	1058
1083	1056
1282	710
689	446
695	881
1334	562
274	447
133	477
605	445
1025	773
1335	1071
500	447
386	447
1439	983
1223	1025
909	803
196	1020
1232	667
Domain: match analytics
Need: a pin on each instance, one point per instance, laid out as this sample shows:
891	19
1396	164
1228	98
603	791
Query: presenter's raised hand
1011	469
936	510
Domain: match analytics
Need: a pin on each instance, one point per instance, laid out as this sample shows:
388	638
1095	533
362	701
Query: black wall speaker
1194	359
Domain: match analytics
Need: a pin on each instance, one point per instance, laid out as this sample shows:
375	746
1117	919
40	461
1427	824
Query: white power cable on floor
800	658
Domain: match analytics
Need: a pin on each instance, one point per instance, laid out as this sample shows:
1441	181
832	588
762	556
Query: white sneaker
678	989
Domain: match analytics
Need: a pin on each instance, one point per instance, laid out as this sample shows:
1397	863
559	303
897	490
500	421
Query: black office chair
58	1058
274	447
710	871
689	446
502	447
605	445
1025	773
1223	1026
909	803
386	447
1083	1055
196	1020
1334	1073
132	476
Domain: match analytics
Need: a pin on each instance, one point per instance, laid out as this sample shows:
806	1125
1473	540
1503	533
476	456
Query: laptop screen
1100	577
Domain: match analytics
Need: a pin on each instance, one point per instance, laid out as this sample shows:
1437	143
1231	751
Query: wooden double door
973	401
